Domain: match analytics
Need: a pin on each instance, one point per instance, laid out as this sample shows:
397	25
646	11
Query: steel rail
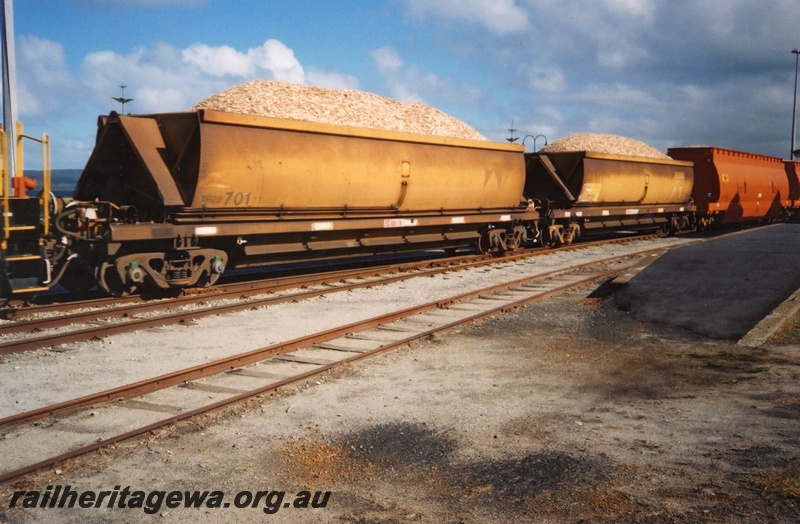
96	332
140	302
12	313
217	366
269	351
235	291
15	313
80	335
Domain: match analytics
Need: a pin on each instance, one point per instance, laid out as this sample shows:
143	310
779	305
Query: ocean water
63	180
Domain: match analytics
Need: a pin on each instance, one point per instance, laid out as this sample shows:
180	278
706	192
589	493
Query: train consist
176	199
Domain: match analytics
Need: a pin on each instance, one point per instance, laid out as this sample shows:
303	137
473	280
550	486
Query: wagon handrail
46	172
6	189
46	175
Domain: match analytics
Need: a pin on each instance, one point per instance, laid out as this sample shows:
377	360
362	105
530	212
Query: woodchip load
608	144
336	106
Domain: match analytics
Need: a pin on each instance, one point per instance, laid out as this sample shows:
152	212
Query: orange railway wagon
735	186
793	173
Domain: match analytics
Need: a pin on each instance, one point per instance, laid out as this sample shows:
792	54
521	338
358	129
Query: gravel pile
336	106
608	144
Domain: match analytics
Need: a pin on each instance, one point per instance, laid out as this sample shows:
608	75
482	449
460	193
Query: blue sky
667	72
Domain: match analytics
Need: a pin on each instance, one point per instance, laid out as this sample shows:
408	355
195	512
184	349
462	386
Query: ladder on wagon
25	223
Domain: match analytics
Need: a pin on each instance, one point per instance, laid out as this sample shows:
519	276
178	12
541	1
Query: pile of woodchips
608	144
336	106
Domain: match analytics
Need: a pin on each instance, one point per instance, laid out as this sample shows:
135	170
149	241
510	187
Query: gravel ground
84	368
566	411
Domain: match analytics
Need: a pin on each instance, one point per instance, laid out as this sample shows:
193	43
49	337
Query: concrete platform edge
772	322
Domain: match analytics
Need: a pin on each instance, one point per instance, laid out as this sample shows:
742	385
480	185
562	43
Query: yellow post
6	190
20	152
3	164
46	182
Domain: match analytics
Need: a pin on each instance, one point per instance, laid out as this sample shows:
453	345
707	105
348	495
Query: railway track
19	311
97	319
290	276
111	318
86	423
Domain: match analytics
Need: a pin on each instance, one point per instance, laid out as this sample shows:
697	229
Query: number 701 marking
237	199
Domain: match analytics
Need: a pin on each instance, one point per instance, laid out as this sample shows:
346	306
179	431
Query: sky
666	72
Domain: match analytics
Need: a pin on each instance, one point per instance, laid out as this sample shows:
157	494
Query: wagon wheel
548	242
551	244
79	277
110	280
5	291
551	237
483	245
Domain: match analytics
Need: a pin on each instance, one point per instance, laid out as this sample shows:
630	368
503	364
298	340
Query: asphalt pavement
720	288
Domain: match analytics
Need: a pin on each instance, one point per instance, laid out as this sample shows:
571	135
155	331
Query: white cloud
146	72
693	71
408	83
219	61
619	54
278	60
387	60
42	77
163	97
547	79
159	78
501	17
693	94
641	11
402	82
618	97
272	58
164	78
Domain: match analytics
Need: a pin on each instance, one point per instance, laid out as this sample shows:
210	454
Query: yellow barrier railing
6	182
